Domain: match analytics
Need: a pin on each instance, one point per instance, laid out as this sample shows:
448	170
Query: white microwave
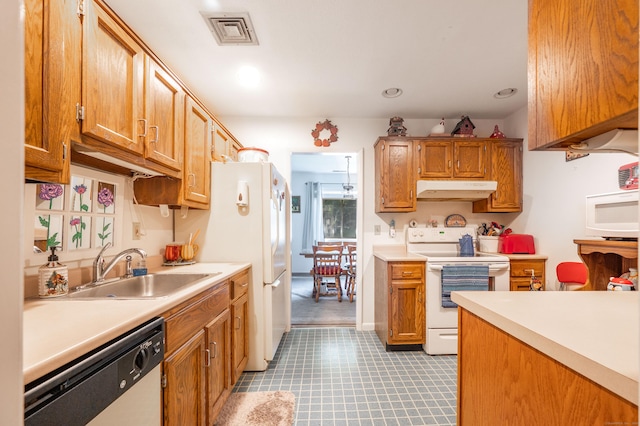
613	215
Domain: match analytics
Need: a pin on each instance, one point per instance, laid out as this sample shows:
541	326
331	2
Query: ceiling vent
231	29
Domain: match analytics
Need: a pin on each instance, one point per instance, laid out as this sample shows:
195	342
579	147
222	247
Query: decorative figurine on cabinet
464	128
497	134
438	129
396	128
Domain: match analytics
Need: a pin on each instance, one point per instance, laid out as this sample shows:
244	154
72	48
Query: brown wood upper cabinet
395	179
505	168
451	159
52	73
132	108
583	70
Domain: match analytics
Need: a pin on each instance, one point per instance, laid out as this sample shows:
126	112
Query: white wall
12	176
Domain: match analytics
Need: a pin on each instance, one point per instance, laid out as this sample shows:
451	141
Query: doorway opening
325	205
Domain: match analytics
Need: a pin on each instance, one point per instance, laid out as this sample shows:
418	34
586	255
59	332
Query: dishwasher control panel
138	361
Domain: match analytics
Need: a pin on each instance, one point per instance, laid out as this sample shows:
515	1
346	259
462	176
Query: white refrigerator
249	222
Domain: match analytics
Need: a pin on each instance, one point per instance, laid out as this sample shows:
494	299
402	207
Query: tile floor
341	376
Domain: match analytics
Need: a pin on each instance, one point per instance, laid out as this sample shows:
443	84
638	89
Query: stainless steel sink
151	286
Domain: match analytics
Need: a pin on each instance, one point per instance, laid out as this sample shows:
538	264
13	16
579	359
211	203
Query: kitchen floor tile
341	376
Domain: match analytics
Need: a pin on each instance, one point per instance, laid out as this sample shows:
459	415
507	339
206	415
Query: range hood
455	190
617	140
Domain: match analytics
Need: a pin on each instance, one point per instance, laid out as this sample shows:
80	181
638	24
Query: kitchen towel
463	278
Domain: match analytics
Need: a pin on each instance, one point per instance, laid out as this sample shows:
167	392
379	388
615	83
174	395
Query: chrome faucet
100	270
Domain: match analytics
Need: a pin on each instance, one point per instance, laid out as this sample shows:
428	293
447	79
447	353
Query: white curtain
312	231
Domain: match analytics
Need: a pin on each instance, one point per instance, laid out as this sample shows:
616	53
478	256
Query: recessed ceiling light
505	93
392	92
248	76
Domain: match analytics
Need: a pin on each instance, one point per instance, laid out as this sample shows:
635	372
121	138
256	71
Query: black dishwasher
77	392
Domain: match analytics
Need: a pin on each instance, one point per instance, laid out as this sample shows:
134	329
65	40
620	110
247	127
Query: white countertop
395	253
595	333
57	331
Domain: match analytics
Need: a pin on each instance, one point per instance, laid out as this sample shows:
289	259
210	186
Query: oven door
442	323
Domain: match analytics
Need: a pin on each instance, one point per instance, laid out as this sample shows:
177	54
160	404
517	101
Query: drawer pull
407	273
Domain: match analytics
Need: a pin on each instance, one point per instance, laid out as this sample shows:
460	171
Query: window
339	218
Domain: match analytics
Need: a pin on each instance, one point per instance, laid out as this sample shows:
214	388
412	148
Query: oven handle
492	268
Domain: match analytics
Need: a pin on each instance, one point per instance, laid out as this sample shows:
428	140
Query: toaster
516	244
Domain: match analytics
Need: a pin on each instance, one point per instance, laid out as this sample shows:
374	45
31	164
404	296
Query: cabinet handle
208	358
64	150
411	194
215	349
157	132
458	164
192	179
238	323
407	273
144	132
449	163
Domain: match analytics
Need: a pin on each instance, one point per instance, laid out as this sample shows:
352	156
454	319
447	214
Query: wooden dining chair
350	271
327	270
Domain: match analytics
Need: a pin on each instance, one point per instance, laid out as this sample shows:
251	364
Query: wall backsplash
103	202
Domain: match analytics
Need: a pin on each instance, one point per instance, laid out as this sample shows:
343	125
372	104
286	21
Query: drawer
521	284
407	271
522	268
183	324
239	285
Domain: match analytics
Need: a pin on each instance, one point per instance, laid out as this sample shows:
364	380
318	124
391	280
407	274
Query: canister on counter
53	277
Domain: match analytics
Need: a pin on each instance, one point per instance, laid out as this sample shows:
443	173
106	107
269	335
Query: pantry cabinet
451	159
395	180
583	70
506	169
52	70
400	304
196	370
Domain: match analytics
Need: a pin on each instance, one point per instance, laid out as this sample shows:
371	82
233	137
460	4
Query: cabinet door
52	87
233	150
434	159
112	82
395	178
220	143
184	393
406	312
239	336
469	159
197	170
164	113
218	373
591	87
506	169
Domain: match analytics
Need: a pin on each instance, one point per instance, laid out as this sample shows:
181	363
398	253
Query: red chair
572	275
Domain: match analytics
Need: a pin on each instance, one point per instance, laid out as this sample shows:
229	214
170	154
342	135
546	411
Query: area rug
258	409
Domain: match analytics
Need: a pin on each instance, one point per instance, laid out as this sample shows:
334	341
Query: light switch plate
376	229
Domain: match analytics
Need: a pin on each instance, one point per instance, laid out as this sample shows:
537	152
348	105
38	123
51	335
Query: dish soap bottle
53	277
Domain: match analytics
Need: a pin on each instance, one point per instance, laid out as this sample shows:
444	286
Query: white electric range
441	249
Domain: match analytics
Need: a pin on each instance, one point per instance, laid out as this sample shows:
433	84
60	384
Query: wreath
324	125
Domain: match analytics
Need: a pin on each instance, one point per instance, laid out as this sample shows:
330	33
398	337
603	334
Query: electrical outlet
136	231
376	229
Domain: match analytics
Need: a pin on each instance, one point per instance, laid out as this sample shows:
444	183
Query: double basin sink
152	286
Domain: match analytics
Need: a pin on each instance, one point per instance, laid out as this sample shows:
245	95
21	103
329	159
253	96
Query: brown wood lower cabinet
400	304
206	352
240	324
502	380
521	268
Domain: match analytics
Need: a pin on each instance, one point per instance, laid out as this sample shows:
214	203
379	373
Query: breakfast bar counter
58	331
549	357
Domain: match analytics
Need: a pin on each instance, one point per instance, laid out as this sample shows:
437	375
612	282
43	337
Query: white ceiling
333	58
